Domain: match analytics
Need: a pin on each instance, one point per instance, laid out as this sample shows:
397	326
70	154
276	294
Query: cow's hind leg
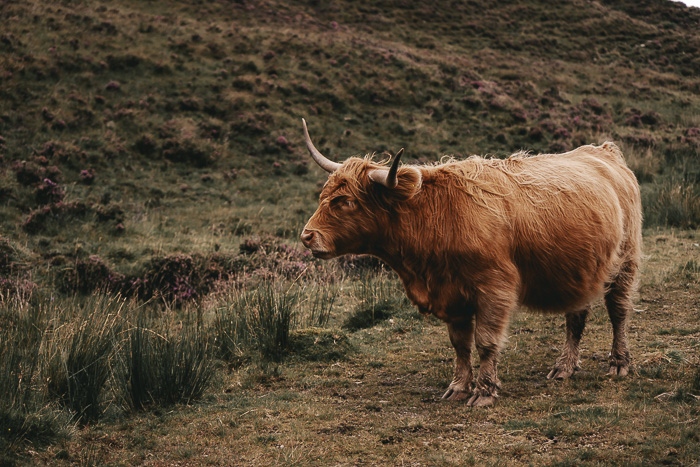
568	362
618	301
462	337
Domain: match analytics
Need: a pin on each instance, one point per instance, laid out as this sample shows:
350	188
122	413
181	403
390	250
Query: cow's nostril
306	237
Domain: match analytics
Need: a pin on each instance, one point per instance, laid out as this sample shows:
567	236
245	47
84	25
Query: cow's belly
565	285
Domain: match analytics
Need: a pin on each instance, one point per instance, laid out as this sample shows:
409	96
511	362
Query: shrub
53	215
175	279
28	173
88	276
187	151
87	176
109	213
63	153
180	278
146	145
267	257
300	168
48	192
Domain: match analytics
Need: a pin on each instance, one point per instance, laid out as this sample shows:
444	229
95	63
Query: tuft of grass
78	356
159	366
231	333
675	203
319	304
271	310
21	332
256	321
26	418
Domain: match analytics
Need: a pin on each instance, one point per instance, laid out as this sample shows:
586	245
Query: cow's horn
327	165
387	177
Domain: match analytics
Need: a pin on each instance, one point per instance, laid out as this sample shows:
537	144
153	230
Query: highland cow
474	239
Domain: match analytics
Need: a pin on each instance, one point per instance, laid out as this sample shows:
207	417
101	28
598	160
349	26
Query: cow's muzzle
310	239
307	237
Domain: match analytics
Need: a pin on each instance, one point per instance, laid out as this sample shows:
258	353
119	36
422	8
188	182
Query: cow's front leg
487	383
462	337
490	328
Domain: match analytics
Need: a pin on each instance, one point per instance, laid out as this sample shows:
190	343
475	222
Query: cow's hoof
455	395
481	401
560	373
618	370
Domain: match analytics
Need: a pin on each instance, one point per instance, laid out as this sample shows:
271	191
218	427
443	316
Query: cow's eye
343	202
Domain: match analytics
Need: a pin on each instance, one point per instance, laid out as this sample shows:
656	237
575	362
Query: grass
159	367
379	402
258	320
326	394
155	305
78	356
377	299
212	100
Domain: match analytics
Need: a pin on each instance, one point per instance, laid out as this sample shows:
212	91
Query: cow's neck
411	268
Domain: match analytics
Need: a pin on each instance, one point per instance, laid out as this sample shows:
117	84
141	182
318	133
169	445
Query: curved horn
327	165
387	177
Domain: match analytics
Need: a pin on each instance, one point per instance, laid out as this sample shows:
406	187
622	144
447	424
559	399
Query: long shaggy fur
474	239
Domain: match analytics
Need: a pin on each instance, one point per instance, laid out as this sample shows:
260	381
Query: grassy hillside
154	150
177	125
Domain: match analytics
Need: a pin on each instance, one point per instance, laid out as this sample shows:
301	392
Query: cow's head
358	205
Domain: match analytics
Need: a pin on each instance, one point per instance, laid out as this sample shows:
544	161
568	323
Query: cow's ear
408	183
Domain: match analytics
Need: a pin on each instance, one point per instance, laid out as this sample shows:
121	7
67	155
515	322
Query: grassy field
154	181
350	393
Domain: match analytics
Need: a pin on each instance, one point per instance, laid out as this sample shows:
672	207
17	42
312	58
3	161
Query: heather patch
54	216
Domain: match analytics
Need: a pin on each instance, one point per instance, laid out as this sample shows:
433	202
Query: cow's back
576	218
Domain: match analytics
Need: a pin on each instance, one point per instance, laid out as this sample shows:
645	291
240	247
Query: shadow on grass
364	318
319	345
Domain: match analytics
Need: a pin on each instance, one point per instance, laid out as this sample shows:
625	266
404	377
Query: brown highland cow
474	239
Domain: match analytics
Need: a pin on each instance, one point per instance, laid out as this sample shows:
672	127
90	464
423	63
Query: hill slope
134	130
